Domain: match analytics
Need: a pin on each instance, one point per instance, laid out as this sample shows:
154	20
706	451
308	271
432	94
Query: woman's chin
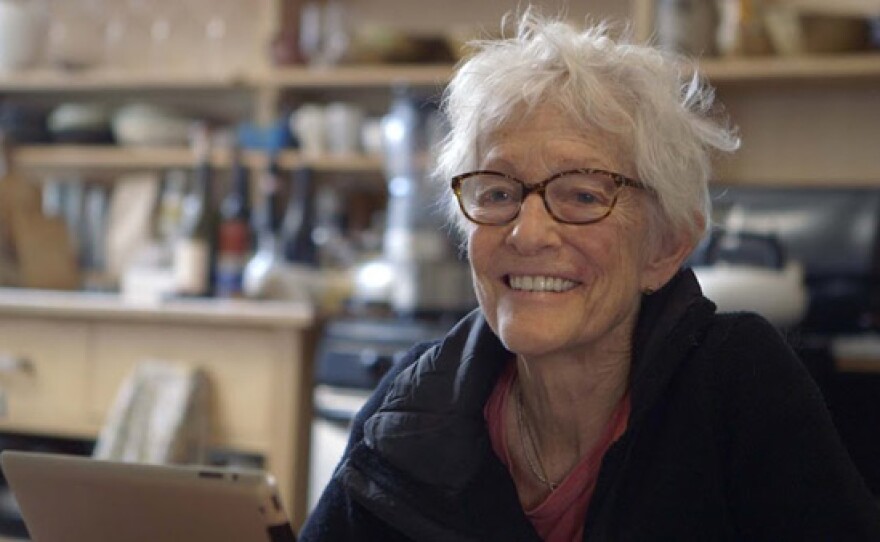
530	341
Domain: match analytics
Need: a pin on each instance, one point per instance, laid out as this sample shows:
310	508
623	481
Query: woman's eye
497	196
580	198
494	196
585	198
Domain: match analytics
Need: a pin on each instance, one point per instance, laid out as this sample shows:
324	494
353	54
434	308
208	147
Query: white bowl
151	126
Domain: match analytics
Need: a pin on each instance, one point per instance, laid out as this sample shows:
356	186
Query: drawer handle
10	364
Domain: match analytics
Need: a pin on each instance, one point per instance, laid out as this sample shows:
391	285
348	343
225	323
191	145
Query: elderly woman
595	394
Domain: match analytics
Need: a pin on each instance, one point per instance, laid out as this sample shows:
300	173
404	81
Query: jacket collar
670	324
431	424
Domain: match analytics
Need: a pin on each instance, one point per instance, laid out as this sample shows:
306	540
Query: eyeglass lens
577	197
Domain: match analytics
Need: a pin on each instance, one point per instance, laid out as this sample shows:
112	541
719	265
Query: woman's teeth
541	284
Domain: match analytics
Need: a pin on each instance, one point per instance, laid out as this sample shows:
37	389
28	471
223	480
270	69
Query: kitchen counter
50	303
64	355
857	353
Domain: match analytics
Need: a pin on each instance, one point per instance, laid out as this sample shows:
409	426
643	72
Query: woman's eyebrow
498	162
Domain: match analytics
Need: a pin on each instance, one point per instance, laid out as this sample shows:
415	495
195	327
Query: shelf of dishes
865	65
103	161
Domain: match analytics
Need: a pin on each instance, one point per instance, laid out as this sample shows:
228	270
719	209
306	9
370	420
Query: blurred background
222	206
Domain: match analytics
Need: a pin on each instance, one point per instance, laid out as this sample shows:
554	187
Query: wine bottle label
191	258
233	237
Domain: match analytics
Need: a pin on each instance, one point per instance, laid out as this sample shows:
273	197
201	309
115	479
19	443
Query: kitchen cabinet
98	160
64	355
44	367
805	120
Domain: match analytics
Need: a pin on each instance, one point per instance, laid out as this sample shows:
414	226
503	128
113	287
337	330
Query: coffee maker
421	262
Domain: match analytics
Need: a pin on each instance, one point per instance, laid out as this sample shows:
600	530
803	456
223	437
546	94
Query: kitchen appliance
834	234
751	272
429	278
353	355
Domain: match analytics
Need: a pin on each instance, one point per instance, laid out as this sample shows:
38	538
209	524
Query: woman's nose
533	229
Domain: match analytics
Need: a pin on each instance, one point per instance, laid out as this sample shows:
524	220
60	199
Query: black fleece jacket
728	439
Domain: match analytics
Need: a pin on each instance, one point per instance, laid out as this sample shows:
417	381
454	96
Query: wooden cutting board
41	246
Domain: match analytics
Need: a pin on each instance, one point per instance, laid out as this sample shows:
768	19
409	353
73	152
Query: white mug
343	124
371	137
307	124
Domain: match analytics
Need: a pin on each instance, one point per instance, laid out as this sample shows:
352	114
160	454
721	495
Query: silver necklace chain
525	431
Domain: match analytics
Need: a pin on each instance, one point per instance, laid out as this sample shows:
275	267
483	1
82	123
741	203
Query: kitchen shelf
97	159
720	71
731	178
794	68
845	8
45	80
360	76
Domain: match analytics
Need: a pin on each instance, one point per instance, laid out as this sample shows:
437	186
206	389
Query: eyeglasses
576	196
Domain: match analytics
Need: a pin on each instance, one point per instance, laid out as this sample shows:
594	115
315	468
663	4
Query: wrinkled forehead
548	132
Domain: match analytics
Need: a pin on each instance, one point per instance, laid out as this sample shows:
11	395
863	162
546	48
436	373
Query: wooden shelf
719	71
361	76
283	78
727	178
751	165
111	159
82	305
796	68
44	80
846	8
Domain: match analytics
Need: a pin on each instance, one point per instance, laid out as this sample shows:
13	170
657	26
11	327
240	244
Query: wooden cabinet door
240	365
44	374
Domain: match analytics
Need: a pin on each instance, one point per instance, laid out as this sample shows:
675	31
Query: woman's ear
667	253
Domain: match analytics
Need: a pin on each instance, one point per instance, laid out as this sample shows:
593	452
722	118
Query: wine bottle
234	233
194	250
299	220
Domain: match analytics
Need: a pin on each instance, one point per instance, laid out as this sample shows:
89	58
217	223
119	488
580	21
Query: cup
371	137
343	124
307	124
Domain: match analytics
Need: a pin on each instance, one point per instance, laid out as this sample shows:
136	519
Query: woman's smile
539	283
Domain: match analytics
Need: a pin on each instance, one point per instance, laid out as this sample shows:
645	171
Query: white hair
651	103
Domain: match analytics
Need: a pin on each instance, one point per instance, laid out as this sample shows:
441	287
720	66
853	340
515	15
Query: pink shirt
560	517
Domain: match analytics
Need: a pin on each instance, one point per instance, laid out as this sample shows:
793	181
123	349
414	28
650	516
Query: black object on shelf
299	220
